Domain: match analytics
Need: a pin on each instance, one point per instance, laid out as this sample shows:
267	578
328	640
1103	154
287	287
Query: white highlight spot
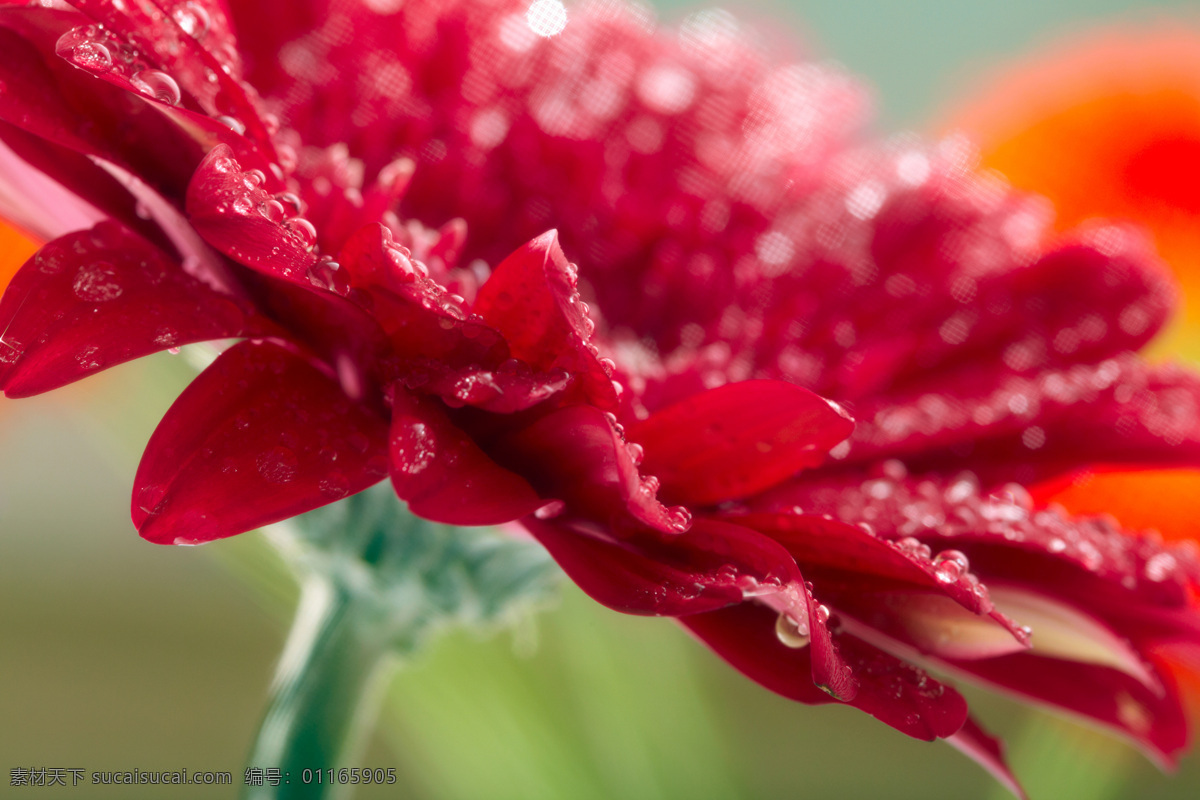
546	17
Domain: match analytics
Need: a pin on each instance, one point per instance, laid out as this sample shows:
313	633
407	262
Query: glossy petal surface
444	475
102	297
738	440
259	436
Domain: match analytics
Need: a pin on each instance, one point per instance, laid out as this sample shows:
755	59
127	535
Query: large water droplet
92	56
192	20
791	633
301	229
950	565
158	85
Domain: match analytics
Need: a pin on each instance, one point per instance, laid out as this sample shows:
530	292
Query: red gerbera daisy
360	193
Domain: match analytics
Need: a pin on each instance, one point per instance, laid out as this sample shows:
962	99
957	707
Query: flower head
361	194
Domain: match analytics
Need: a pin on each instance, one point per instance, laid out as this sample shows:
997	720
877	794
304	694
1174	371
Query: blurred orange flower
1109	126
15	248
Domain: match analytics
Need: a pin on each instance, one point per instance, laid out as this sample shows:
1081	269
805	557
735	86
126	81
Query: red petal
531	298
1031	428
190	41
95	299
444	475
231	210
897	588
259	436
1102	694
888	689
738	440
575	455
988	752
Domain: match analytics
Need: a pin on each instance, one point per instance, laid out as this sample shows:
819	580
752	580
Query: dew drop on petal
277	465
192	20
89	357
149	496
92	56
1160	567
950	565
97	283
253	178
158	85
301	229
550	510
413	447
334	485
681	518
790	633
272	210
233	123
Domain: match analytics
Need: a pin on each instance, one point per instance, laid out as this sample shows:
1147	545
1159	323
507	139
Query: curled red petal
189	43
442	472
1032	427
532	299
259	436
576	455
738	440
888	689
94	299
230	209
1156	721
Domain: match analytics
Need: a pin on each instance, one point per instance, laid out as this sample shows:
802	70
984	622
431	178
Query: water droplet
964	487
301	229
233	123
291	202
913	546
192	20
158	85
550	510
681	518
950	565
791	633
272	210
278	465
89	357
149	496
243	204
97	282
328	274
413	447
253	178
334	485
1160	566
636	452
92	56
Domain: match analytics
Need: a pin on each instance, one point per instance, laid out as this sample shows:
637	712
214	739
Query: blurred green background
116	654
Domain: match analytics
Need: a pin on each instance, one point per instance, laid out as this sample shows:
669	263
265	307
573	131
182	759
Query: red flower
744	253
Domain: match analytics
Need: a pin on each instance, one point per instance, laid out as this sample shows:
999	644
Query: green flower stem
377	584
324	698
